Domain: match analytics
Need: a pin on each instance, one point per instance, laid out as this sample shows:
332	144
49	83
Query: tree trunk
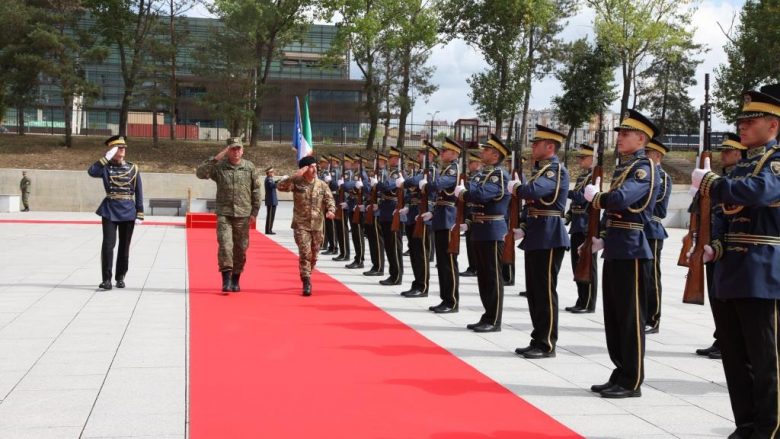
403	96
124	109
372	106
174	89
155	130
266	59
509	130
67	111
566	148
626	89
20	121
662	121
527	97
499	114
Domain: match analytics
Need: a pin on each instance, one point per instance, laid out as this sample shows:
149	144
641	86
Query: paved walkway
75	362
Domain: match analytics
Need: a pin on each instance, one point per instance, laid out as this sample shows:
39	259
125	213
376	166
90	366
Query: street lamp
432	118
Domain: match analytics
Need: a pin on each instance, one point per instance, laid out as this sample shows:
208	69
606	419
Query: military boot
306	286
235	286
226	282
120	281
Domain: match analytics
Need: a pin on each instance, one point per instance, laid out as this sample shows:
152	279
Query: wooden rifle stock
508	256
687	243
419	224
582	271
453	246
694	281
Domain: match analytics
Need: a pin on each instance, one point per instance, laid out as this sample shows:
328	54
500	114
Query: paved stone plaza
77	362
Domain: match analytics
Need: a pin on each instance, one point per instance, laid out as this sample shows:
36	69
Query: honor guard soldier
420	247
24	186
342	224
387	202
331	177
745	241
628	207
238	202
474	168
490	202
544	238
121	210
355	184
444	212
373	230
577	216
271	200
656	234
731	152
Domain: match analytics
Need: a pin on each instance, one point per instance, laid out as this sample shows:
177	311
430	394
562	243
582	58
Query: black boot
226	282
120	282
306	286
235	286
105	285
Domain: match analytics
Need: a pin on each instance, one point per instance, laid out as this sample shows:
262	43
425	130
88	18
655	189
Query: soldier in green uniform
238	202
310	197
24	185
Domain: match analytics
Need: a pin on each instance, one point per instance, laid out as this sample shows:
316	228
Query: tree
750	56
587	84
665	91
68	45
154	90
130	25
637	28
176	37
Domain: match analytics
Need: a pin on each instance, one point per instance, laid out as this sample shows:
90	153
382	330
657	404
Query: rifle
584	263
453	247
339	210
515	206
359	197
694	282
395	226
374	192
419	225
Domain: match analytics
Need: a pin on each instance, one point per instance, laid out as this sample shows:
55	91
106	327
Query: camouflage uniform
238	198
309	201
24	185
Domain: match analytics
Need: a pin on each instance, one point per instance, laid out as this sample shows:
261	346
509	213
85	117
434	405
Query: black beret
306	161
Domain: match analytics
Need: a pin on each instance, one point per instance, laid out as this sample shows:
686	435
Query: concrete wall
75	191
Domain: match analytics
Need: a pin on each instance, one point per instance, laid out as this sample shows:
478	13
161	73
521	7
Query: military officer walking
121	210
578	214
312	203
271	200
238	202
745	238
656	234
490	202
387	205
475	167
24	185
544	238
628	207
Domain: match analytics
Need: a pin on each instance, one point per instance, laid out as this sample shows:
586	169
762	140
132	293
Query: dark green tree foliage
586	79
751	56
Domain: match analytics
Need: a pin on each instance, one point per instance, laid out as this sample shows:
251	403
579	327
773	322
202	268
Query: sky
456	61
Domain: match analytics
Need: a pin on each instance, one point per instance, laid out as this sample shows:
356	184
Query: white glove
343	205
362	208
138	221
427	216
698	174
399	182
458	189
373	181
284	177
422	184
464	228
375	207
513	183
340	181
709	254
519	234
111	152
592	189
597	244
403	211
327	178
359	184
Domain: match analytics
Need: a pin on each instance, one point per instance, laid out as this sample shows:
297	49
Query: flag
301	144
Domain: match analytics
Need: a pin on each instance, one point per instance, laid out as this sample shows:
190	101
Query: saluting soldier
328	175
474	169
342	224
628	207
373	230
490	201
579	211
444	213
271	200
656	234
745	239
121	210
312	203
731	152
238	202
356	183
387	205
419	248
544	238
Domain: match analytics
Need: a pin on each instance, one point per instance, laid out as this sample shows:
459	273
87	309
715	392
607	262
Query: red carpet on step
269	363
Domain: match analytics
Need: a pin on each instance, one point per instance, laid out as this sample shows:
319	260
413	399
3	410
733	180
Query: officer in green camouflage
238	202
311	196
24	185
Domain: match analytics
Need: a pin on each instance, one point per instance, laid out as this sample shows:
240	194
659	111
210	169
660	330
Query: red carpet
269	363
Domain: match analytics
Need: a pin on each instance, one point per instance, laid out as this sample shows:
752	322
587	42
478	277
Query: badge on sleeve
494	179
775	166
451	171
640	174
549	174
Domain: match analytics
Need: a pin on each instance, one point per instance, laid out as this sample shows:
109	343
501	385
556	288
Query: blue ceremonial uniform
579	209
124	199
656	233
358	240
654	228
387	200
414	195
419	248
442	188
444	213
330	228
578	215
489	203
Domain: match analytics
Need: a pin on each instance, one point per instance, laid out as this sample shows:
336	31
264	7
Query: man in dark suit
271	201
